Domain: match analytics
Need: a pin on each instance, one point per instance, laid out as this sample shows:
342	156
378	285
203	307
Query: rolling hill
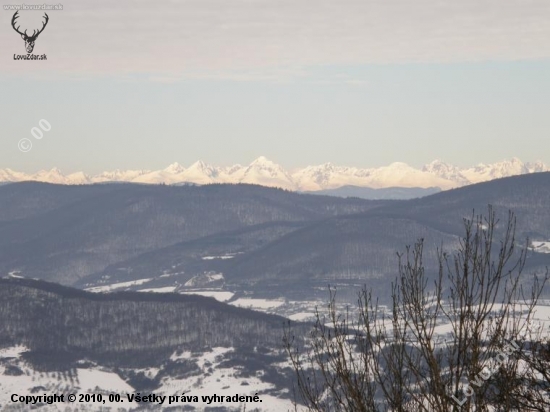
363	246
293	260
64	233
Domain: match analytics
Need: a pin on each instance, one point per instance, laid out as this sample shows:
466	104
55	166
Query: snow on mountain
263	171
78	178
172	174
175	168
446	171
397	174
483	172
328	176
536	167
402	175
8	175
231	174
314	177
50	176
200	173
119	176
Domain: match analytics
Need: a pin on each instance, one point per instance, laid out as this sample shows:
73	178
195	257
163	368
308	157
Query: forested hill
50	318
364	246
63	233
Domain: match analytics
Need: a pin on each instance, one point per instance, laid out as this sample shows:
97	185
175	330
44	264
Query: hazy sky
141	84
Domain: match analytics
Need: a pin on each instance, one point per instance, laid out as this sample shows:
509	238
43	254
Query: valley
169	290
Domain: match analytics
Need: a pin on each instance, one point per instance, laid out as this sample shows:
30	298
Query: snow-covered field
302	316
204	279
223	381
223	257
220	295
211	372
116	286
541	247
258	303
211	377
17	377
165	289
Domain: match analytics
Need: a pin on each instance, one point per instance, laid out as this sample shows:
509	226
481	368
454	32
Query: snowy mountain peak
54	171
119	175
265	172
536	166
78	178
326	167
325	176
266	166
399	166
174	168
437	164
53	175
200	173
445	171
505	168
263	161
200	165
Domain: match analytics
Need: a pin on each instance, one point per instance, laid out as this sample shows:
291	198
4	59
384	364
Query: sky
140	84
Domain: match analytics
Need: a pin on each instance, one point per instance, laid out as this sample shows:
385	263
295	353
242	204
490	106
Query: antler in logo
29	40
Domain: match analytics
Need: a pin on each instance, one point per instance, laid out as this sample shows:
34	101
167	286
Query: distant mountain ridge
327	176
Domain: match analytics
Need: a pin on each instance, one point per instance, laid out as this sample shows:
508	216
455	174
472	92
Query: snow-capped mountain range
326	176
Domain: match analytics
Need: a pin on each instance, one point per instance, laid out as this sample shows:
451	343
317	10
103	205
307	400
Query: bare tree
530	384
443	347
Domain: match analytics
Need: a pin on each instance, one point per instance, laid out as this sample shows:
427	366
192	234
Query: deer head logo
29	40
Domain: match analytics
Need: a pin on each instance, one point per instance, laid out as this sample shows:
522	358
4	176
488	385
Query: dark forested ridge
528	196
48	318
104	234
360	247
187	258
364	246
63	233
